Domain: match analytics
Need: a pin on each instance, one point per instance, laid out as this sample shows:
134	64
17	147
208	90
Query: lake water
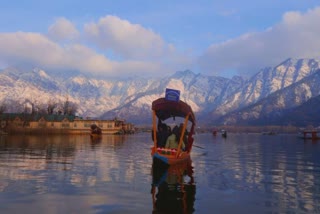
244	173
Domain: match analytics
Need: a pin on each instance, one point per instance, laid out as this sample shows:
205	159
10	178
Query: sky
141	38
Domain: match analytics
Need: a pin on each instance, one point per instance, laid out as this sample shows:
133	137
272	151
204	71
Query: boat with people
96	131
172	147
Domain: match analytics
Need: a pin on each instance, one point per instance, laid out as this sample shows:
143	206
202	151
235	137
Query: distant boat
224	133
269	133
96	132
214	132
309	134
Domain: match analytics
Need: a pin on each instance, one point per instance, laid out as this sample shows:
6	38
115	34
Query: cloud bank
114	47
296	36
111	47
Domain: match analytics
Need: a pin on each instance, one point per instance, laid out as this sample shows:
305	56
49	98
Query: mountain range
286	94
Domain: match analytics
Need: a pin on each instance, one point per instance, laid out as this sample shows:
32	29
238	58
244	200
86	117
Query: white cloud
129	41
143	52
296	36
63	30
36	50
28	48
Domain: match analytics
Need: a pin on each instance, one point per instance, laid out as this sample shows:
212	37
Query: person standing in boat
172	141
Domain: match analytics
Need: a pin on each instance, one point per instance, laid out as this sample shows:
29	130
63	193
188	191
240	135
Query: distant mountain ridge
278	107
267	96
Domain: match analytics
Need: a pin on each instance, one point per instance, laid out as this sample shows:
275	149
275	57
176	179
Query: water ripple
253	173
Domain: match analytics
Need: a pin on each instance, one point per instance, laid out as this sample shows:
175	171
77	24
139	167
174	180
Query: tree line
33	107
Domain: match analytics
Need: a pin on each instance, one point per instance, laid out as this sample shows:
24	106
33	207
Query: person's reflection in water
173	189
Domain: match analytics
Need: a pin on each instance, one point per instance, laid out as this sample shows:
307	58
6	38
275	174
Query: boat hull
169	156
95	136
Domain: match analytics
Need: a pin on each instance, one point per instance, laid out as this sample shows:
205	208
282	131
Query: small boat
309	134
171	107
269	133
224	133
214	132
96	132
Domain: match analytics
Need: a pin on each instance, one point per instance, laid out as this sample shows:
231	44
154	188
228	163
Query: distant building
59	124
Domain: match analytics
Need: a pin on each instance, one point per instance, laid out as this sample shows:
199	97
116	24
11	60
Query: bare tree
3	108
66	107
73	108
15	106
42	109
69	108
51	106
29	106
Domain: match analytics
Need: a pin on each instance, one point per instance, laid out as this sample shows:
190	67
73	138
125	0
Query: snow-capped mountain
276	107
213	98
266	82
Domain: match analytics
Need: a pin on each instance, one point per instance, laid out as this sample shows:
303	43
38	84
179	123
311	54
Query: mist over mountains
286	94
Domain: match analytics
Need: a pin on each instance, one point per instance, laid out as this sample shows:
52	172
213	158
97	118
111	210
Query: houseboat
60	124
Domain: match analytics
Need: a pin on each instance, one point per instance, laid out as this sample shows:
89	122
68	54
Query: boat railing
166	151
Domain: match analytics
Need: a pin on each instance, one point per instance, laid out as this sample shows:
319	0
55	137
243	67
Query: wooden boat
95	136
96	132
163	109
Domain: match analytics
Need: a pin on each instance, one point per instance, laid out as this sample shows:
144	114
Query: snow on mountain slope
210	96
266	82
277	104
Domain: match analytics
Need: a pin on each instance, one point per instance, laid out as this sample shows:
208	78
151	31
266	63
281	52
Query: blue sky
141	37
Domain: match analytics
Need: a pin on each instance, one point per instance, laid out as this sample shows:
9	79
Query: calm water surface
245	173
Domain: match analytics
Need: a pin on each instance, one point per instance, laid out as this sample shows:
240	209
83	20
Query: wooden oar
198	146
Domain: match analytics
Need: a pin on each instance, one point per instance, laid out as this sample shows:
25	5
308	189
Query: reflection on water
95	172
244	173
273	173
32	158
173	189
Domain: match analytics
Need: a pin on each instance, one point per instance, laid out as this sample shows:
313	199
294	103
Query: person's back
172	141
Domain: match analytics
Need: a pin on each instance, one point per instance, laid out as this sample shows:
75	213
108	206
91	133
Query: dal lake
243	173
